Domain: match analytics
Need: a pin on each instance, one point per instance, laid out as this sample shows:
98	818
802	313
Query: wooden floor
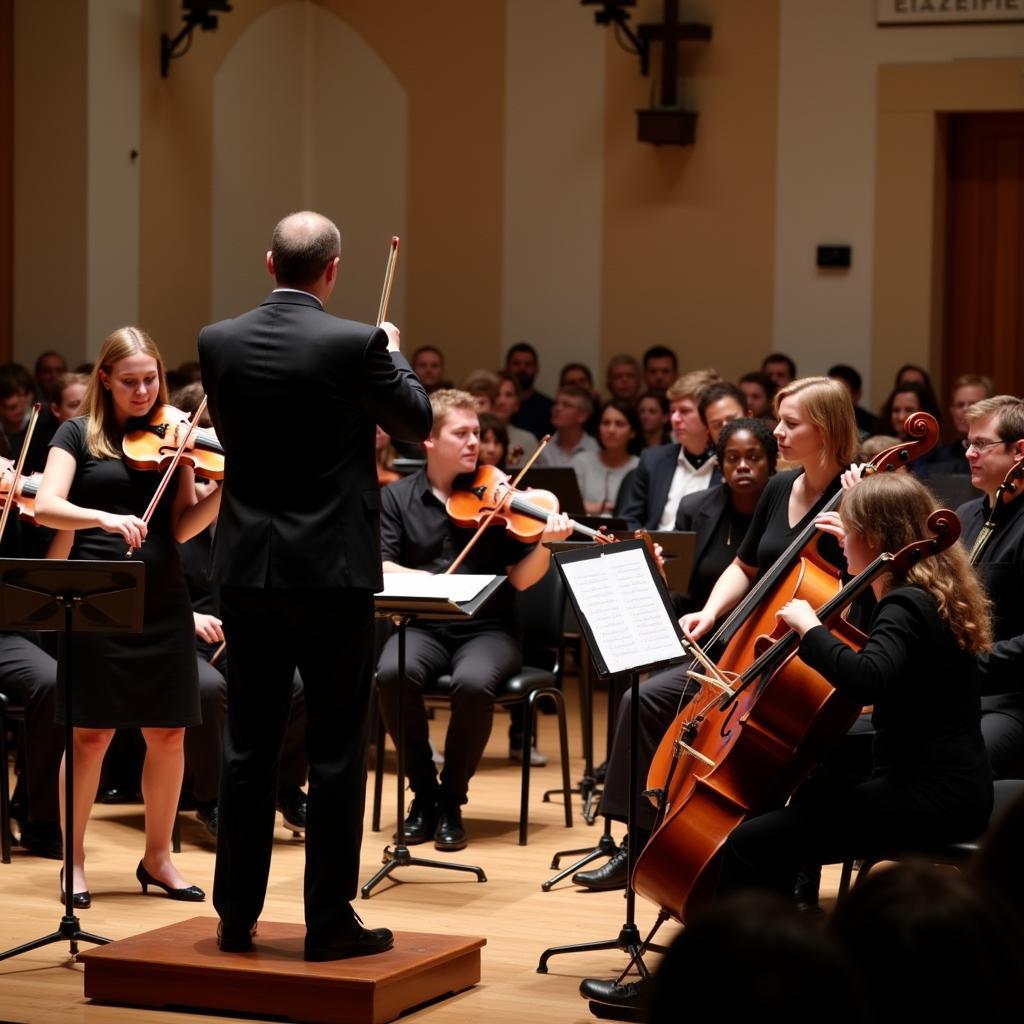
510	910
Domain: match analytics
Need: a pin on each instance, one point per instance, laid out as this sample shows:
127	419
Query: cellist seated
417	535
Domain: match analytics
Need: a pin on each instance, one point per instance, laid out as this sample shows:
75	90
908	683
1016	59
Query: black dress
931	783
145	680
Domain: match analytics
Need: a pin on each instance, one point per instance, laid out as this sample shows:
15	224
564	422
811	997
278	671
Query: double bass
748	744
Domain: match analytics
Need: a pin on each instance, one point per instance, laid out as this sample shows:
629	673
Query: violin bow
494	511
169	472
389	280
19	466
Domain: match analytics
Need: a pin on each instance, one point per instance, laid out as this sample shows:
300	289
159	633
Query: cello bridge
679	747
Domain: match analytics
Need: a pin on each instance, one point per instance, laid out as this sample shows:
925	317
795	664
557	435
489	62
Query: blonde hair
101	433
692	385
1009	413
826	402
891	510
444	400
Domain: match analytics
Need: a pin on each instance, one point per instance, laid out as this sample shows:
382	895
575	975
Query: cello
745	748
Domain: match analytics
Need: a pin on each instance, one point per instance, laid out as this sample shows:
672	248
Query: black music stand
45	596
624	621
401	610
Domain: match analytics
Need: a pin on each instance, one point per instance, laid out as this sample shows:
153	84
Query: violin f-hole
725	732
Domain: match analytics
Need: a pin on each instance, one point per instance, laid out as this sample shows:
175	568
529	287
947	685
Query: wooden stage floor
517	918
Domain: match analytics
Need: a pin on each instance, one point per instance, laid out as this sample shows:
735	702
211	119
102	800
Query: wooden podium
180	965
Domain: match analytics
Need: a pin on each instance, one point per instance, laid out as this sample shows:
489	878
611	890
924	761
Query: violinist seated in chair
417	535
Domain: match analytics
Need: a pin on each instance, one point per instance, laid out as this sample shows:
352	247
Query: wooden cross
670	33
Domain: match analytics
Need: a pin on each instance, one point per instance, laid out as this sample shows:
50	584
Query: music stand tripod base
401	612
48	595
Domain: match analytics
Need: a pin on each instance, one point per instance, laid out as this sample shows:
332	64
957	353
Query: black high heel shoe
191	894
79	900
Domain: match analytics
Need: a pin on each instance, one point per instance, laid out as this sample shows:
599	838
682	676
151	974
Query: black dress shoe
235	938
354	941
420	822
613	874
614	1001
79	900
449	834
291	802
190	894
42	839
210	818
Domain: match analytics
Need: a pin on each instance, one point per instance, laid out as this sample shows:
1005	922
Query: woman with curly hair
931	783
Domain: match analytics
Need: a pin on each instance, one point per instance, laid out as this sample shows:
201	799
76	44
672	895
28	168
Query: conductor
297	555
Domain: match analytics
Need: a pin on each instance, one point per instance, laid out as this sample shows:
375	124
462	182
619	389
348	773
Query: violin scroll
919	425
945	525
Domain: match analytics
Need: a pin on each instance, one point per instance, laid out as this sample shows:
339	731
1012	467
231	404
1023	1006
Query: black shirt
770	533
534	414
1001	567
417	532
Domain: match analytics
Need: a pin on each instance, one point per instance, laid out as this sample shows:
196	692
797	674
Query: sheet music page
618	597
459	587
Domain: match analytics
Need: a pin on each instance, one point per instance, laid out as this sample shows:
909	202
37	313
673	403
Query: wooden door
984	296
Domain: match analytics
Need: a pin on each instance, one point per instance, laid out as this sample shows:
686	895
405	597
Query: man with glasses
994	445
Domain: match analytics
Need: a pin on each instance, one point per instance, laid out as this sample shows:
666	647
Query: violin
749	744
490	499
154	445
25	490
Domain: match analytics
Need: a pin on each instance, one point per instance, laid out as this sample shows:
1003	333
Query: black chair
955	855
9	713
540	611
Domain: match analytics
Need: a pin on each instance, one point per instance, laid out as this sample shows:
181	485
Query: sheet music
618	597
458	587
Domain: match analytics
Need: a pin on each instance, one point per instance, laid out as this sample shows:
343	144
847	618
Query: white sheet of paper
618	597
459	587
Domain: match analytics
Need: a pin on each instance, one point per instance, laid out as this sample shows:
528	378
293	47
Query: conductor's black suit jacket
295	394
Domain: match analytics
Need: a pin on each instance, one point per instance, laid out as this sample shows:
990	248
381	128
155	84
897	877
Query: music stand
45	596
402	609
626	614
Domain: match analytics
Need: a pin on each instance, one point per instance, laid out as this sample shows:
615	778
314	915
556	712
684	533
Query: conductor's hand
696	624
558	528
394	336
132	528
208	628
799	615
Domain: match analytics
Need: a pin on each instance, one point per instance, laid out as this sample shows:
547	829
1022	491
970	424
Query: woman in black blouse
818	432
931	783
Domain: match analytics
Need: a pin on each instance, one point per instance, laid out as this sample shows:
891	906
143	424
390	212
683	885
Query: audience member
483	386
720	403
493	442
780	368
49	366
968	389
428	364
579	375
867	423
570	412
534	413
505	406
661	368
601	472
623	378
760	390
66	396
653	411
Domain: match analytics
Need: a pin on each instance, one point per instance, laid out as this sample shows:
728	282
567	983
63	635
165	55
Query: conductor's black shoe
235	938
420	822
449	834
614	1001
291	802
42	839
210	818
613	874
354	941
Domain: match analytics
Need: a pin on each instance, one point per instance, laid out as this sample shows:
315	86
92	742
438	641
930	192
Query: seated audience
968	389
534	412
49	366
493	442
417	535
867	423
720	403
780	368
483	386
759	390
66	396
666	474
601	472
579	375
623	378
505	406
428	364
653	411
661	368
570	412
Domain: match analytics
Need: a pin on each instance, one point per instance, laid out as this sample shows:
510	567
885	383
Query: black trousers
204	742
833	818
328	636
28	676
478	663
660	699
1004	741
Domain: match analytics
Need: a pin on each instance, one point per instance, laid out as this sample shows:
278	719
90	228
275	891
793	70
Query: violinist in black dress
297	558
146	681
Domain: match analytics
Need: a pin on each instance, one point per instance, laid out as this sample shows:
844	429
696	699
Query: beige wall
832	152
687	253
